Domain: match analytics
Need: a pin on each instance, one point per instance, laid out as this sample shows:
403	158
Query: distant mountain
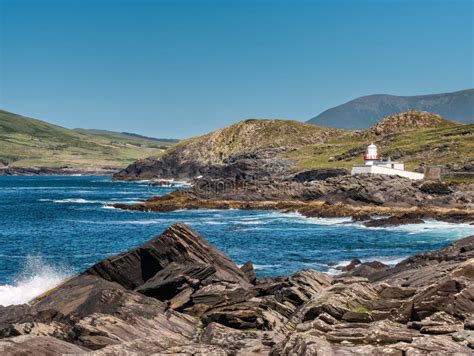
365	111
34	143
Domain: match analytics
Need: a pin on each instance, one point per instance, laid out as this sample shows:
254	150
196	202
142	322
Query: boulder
249	271
38	346
438	188
395	221
177	244
354	262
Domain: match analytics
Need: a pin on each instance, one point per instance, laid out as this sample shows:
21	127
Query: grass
438	146
252	135
455	181
29	142
363	310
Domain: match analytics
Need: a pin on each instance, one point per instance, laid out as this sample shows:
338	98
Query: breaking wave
36	278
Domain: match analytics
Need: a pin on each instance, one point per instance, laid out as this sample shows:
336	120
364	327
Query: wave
36	278
257	267
430	226
77	201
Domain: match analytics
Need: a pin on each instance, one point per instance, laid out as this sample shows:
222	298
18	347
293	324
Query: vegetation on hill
418	138
30	142
250	136
407	121
131	138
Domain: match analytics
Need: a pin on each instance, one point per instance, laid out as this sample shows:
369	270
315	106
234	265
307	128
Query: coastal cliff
176	294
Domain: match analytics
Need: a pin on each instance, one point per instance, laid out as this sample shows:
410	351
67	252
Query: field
29	142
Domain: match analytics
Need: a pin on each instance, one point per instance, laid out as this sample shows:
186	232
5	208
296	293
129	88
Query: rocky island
177	294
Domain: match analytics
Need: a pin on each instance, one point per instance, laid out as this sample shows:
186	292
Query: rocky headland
326	193
285	165
280	148
48	171
177	294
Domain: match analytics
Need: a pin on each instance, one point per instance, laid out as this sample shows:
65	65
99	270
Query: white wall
387	171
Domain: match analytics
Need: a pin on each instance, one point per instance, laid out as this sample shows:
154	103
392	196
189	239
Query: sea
54	227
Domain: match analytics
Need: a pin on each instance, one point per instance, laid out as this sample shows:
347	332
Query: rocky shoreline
48	171
177	294
361	197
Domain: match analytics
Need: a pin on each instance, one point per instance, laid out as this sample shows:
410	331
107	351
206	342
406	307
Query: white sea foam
36	278
257	267
77	201
106	206
455	230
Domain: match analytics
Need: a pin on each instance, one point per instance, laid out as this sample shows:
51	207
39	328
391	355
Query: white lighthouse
371	155
374	164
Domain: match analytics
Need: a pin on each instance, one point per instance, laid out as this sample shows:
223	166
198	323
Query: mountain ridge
362	112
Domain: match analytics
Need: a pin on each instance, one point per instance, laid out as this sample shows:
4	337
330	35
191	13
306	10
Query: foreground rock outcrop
177	294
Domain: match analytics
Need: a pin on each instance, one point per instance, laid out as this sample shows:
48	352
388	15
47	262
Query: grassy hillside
30	142
248	136
415	141
131	138
416	137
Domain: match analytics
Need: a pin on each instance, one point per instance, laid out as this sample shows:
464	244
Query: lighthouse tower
371	155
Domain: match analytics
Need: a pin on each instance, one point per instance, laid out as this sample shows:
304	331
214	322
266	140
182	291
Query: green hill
416	137
29	142
131	138
250	135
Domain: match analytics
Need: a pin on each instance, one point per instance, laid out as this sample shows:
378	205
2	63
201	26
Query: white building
374	164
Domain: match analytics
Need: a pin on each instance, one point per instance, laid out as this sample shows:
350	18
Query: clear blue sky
184	67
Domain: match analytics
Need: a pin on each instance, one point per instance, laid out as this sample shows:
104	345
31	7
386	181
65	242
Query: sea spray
35	278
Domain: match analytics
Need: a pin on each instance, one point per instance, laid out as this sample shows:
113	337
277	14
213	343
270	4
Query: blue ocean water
52	227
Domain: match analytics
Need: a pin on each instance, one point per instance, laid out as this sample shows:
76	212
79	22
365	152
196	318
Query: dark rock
395	221
366	269
435	188
166	263
469	323
361	217
319	174
354	262
357	317
249	271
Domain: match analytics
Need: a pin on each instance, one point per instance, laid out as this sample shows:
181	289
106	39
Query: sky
179	68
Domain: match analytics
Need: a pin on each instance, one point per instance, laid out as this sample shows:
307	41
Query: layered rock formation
177	294
340	195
